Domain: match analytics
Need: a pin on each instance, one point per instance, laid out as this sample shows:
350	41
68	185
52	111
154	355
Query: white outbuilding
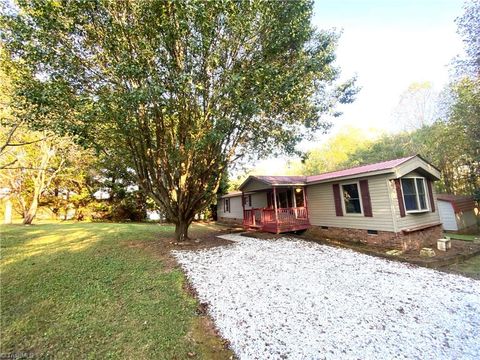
457	212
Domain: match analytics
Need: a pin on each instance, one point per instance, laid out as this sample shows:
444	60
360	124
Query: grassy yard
470	267
463	237
98	291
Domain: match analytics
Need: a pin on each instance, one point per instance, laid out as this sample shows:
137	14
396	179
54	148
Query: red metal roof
384	165
459	202
359	170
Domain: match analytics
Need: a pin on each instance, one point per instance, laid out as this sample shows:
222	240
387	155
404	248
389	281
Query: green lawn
463	237
469	267
95	291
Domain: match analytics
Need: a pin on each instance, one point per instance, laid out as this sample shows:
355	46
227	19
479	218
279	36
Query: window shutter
430	195
250	200
224	205
401	205
269	199
338	200
366	202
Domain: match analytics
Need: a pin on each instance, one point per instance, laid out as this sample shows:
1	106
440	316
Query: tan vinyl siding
255	185
259	200
236	211
321	206
415	219
413	164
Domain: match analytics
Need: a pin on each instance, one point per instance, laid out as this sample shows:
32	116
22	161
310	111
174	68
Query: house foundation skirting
230	221
404	241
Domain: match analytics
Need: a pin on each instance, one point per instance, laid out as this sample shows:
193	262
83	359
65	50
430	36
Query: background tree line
450	142
444	128
43	172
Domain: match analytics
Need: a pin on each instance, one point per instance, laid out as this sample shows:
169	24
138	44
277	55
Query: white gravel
288	298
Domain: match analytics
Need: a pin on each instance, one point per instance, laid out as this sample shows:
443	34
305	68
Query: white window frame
226	205
425	191
359	197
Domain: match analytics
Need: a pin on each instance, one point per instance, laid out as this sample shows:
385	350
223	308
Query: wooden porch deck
279	221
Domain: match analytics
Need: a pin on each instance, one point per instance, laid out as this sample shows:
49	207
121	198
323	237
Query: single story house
390	203
457	213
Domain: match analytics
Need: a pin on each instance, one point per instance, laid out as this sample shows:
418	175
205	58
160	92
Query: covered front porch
273	207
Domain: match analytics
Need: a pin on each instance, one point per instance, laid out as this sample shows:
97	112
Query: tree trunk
8	211
32	211
181	230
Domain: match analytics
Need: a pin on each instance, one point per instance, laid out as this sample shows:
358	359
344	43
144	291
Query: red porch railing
287	219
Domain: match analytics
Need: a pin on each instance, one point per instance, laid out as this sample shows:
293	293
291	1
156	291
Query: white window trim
227	208
425	191
359	197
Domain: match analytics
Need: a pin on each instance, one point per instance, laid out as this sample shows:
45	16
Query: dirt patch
162	247
459	252
204	333
206	338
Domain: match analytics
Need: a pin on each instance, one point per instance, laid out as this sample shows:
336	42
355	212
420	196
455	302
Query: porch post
305	200
294	203
275	207
243	209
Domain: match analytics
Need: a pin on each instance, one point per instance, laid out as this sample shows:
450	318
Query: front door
284	198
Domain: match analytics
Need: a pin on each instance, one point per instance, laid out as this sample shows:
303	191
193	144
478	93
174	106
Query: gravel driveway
288	298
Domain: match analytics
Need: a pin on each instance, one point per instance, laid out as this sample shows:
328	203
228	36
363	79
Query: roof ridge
369	164
280	175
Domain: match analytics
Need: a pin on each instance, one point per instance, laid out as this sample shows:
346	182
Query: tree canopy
335	152
416	108
179	88
468	27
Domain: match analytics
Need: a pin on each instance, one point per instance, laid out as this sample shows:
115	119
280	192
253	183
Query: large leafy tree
468	27
180	88
416	108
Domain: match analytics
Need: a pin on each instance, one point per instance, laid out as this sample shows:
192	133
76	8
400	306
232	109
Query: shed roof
459	202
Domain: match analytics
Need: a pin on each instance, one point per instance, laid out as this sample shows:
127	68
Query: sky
388	45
